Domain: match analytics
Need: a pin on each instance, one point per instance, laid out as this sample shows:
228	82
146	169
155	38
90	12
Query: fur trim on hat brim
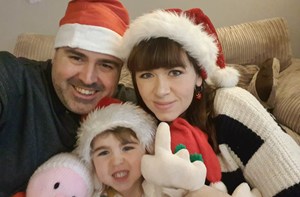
87	37
178	27
115	115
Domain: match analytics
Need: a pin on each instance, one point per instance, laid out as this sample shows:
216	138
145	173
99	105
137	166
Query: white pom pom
220	186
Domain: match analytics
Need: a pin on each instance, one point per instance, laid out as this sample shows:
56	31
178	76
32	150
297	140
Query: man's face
81	78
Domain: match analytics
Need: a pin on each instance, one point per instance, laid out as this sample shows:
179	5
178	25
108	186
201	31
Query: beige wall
17	16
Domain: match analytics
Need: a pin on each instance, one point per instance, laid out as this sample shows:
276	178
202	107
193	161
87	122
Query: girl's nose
117	159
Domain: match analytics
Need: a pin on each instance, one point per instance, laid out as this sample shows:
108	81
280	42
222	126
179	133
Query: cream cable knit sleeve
253	147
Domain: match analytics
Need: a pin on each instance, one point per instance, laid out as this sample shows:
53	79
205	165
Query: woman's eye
175	72
145	75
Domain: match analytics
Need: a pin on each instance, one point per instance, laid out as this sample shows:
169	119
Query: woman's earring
198	92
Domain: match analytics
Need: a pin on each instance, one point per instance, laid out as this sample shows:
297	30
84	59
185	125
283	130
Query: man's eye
76	59
108	66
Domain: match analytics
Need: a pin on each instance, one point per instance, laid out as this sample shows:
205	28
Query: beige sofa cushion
247	73
264	83
34	46
255	42
287	103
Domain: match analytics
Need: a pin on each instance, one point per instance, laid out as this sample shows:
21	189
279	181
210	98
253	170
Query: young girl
112	141
178	71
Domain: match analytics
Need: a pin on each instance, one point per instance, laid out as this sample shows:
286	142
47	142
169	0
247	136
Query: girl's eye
103	153
127	148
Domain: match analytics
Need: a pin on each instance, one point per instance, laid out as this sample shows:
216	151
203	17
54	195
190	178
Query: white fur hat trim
180	28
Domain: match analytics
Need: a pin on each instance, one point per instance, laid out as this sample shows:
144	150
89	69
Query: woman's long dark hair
164	52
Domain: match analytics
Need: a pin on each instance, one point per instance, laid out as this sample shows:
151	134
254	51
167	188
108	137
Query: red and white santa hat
115	115
93	25
194	31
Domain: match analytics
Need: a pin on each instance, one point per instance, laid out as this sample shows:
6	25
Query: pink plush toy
62	175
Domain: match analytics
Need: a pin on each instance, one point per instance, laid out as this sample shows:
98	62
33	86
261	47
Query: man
41	103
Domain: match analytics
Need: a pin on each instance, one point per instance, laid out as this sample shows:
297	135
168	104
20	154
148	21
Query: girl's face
168	92
118	164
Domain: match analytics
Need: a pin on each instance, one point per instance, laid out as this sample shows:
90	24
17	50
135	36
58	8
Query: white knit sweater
254	148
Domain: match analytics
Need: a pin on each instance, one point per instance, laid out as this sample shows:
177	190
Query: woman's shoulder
240	106
236	101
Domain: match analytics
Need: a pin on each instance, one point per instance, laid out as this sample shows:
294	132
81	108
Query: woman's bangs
155	53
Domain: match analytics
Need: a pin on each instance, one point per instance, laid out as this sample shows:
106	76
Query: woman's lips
163	105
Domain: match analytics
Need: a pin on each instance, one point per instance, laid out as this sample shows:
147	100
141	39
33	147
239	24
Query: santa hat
194	31
93	25
115	115
69	161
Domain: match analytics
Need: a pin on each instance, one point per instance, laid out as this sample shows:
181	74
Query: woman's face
168	92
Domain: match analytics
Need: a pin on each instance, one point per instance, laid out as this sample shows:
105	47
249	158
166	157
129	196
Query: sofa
260	50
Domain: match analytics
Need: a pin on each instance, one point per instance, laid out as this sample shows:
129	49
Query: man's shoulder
5	53
6	56
19	75
10	61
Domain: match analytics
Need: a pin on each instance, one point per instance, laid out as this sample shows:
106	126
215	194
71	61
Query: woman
176	63
169	68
